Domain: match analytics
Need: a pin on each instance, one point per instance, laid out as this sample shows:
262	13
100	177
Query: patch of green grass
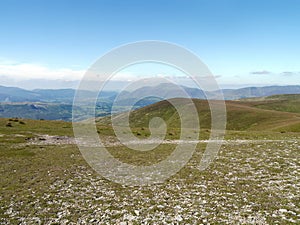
36	126
284	103
289	128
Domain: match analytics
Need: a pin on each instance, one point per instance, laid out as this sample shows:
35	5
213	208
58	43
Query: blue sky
242	42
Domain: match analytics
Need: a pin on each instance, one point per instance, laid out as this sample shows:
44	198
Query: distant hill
55	95
14	94
37	110
171	91
251	92
48	111
165	90
284	103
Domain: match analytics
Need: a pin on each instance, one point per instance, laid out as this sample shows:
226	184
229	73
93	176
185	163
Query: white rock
129	217
178	218
282	210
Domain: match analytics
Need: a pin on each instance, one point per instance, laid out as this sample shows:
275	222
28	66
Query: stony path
110	141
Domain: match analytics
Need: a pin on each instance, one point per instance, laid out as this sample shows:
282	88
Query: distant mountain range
168	91
56	104
14	94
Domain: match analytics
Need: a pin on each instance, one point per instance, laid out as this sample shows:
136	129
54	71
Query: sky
244	43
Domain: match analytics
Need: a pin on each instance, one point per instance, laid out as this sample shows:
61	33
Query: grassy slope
283	103
31	127
241	115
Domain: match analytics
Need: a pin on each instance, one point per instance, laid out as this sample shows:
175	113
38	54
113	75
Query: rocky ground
250	182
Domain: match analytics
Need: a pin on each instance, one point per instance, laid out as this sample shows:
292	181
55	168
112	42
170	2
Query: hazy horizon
32	84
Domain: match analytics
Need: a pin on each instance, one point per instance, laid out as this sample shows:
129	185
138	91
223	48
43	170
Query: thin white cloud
289	73
22	71
262	72
28	71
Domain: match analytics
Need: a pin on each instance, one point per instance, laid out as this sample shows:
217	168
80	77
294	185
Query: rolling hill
285	103
275	113
253	92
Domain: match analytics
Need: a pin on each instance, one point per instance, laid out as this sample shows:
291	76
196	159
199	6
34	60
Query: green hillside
285	103
264	114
